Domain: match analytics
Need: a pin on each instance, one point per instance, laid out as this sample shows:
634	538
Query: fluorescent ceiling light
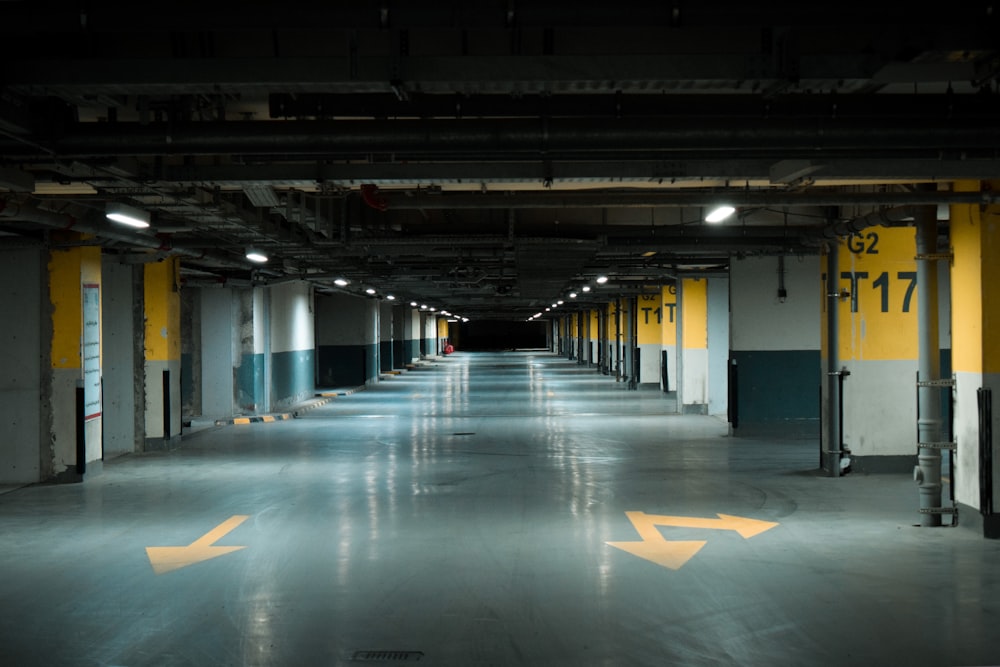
127	215
390	297
255	255
586	288
413	304
340	282
261	196
719	213
601	280
572	295
370	290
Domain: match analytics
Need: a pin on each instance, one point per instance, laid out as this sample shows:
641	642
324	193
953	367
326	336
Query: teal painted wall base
777	391
385	355
413	345
292	377
346	365
250	383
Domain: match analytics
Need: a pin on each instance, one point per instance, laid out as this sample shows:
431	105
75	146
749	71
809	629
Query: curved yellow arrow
166	559
674	554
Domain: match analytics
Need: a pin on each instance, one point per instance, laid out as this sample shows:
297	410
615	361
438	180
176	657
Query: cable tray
938	445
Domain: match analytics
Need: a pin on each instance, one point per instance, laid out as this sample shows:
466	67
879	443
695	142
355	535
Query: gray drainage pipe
831	458
928	471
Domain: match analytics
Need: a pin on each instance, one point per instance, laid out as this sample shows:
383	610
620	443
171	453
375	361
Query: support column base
970	518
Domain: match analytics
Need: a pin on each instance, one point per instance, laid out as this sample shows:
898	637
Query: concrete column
975	326
649	329
668	299
776	344
400	341
877	334
26	368
694	346
385	336
346	341
218	316
123	344
161	301
718	344
252	375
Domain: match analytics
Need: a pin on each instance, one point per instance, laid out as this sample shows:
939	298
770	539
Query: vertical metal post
833	386
928	471
618	340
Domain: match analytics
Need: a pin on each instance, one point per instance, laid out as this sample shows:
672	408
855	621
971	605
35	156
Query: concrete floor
461	514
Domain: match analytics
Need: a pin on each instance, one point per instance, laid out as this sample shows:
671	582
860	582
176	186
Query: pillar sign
878	318
91	352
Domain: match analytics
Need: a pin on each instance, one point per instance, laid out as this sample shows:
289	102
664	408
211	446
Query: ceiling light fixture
572	295
340	282
413	304
255	255
127	215
586	288
390	297
370	290
719	213
601	280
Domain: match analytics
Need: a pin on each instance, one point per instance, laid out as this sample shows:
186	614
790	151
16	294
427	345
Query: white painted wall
291	310
759	320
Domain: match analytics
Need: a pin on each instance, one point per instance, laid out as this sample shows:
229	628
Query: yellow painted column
975	330
593	335
161	296
75	295
668	296
694	345
649	323
878	347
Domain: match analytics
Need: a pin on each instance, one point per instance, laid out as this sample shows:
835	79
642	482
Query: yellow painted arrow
674	554
166	559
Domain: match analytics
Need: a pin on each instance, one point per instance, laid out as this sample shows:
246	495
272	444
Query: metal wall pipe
928	472
677	199
833	435
469	136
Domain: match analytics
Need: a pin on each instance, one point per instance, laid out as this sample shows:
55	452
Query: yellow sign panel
656	312
163	310
878	320
694	322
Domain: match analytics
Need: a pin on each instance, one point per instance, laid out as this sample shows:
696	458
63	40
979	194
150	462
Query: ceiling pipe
553	136
675	199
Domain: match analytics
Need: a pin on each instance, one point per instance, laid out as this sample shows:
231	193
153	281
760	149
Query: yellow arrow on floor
166	559
674	554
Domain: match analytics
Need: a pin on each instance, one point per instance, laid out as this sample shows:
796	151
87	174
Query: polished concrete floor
488	509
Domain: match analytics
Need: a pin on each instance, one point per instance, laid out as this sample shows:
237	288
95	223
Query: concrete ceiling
486	157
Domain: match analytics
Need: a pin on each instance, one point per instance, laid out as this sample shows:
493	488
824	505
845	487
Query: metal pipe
650	198
833	398
928	472
468	136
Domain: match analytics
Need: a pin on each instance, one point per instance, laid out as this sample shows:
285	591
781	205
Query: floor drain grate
388	656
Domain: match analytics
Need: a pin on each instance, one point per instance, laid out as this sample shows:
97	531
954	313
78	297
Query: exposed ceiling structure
485	156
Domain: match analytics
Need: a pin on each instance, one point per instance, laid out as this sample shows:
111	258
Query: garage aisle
488	509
